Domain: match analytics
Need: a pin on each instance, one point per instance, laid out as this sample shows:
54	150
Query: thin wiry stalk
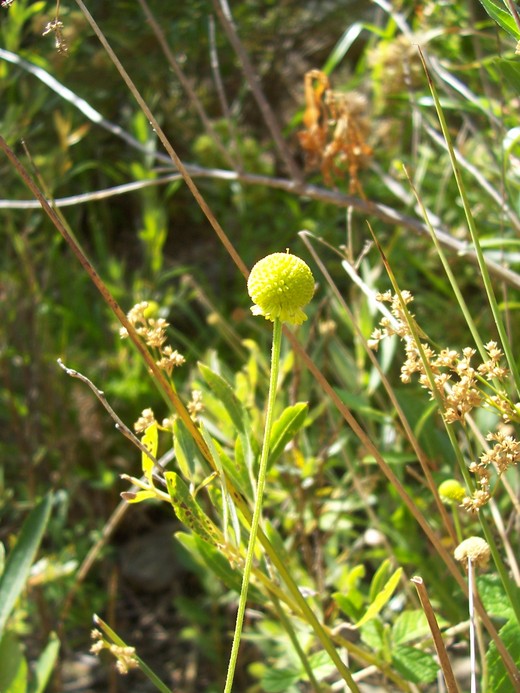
226	19
197	104
472	643
217	78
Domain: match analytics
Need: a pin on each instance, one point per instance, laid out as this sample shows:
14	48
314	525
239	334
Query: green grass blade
45	665
474	236
21	558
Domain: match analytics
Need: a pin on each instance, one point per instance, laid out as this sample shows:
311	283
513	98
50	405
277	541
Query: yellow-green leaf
381	598
150	440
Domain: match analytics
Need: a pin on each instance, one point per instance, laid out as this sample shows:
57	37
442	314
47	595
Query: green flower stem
262	473
152	676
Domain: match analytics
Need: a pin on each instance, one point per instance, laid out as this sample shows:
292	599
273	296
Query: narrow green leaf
186	451
379	579
510	71
342	46
13	665
21	558
414	665
285	428
189	512
224	392
351	604
381	598
45	665
2	559
503	18
147	671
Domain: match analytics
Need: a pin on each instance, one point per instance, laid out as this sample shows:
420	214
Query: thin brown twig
444	660
120	425
215	68
197	104
314	192
226	20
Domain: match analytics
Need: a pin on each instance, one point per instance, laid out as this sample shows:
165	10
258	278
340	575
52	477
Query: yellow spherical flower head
280	285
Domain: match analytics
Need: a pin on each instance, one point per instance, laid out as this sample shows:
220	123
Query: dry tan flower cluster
503	455
56	27
153	331
146	419
125	656
461	386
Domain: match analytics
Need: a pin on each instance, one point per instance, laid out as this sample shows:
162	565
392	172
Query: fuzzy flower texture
280	285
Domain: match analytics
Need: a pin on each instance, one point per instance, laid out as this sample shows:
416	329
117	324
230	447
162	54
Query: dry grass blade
444	660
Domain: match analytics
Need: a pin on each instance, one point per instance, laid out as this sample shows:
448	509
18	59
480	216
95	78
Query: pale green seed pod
280	285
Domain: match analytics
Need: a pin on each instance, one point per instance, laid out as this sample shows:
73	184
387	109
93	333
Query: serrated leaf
279	680
21	558
224	392
492	594
499	681
150	440
381	598
372	635
189	512
502	17
285	428
408	626
414	665
320	664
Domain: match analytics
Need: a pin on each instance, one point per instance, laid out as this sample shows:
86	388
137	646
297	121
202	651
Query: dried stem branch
444	660
226	20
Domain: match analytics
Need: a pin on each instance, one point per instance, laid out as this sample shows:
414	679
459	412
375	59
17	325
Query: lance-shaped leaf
381	598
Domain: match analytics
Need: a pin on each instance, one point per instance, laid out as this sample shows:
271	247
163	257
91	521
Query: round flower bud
451	491
280	285
475	549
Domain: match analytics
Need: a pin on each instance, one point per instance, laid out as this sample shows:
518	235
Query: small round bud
451	491
475	549
280	285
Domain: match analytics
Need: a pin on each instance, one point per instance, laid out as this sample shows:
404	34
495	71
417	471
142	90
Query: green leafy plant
14	574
